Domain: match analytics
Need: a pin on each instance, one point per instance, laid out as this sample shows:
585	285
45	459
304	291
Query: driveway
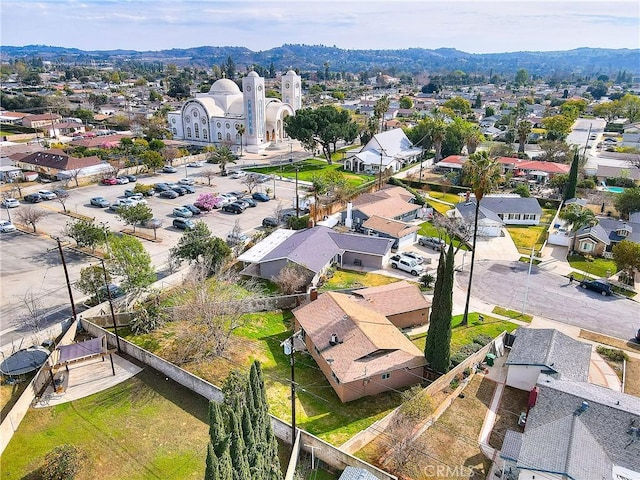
551	296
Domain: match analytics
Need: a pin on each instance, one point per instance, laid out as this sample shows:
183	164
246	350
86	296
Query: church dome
252	74
291	72
225	86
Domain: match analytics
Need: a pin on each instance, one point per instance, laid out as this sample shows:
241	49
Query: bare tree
154	224
31	216
251	182
450	228
292	278
170	154
74	174
31	317
62	198
277	211
208	173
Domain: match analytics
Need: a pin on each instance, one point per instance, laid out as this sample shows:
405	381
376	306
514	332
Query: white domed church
215	117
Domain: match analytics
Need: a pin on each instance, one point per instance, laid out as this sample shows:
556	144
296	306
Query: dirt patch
632	381
611	341
513	402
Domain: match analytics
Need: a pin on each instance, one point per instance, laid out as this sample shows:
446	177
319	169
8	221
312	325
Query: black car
233	208
247	202
168	194
188	188
184	224
33	198
600	286
238	195
131	178
261	197
193	209
179	189
60	192
161	187
269	222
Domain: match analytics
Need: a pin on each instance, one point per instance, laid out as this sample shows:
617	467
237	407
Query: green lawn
596	267
462	335
526	236
311	167
342	279
428	230
505	312
144	428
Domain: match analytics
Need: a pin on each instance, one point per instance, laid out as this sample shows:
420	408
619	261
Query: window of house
197	130
586	246
228	137
188	132
219	136
175	131
385	376
205	134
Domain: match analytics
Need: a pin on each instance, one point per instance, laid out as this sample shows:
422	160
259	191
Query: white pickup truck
407	264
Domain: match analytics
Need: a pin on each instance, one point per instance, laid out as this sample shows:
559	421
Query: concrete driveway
551	296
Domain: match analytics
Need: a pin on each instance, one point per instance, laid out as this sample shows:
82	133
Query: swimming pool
615	189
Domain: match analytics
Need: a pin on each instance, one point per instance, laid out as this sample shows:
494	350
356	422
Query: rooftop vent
583	408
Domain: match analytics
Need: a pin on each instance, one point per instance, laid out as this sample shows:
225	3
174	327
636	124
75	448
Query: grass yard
343	279
463	335
318	409
526	236
428	230
446	197
311	167
144	428
597	267
512	403
505	312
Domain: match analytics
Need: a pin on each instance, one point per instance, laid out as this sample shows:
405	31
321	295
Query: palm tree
523	131
483	174
222	156
576	216
318	188
241	131
472	137
437	132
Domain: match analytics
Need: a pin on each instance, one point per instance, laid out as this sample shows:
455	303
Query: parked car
236	238
229	197
233	207
122	180
99	202
146	190
237	194
238	174
33	198
47	194
60	192
121	202
186	181
137	199
247	202
189	188
179	189
195	164
104	291
6	226
401	262
130	193
183	212
193	209
109	181
131	178
168	194
413	256
269	222
10	203
261	197
638	335
432	242
184	224
161	187
601	286
169	169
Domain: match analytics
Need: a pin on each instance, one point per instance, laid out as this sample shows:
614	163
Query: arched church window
218	124
238	138
175	131
196	127
205	134
194	113
188	132
227	125
219	136
228	137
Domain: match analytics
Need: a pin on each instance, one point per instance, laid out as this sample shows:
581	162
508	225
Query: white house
391	149
215	117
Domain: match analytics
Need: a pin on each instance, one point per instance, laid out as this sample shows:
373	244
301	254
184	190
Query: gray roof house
548	351
599	239
316	249
578	431
503	209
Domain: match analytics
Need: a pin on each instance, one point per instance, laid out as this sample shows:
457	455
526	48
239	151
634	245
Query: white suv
407	264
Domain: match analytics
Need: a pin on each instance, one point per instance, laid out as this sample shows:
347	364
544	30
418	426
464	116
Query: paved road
551	296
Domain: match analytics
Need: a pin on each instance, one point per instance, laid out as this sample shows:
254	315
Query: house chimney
348	221
313	294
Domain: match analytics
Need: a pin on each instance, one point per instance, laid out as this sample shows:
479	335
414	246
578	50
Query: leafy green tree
152	160
199	247
92	279
557	126
323	126
380	108
406	102
483	174
156	145
489	111
626	254
523	130
459	105
135	214
522	190
437	131
576	216
554	151
572	182
522	77
85	233
221	156
437	350
472	137
478	101
128	259
628	201
230	68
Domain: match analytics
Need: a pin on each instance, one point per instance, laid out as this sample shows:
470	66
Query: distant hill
310	57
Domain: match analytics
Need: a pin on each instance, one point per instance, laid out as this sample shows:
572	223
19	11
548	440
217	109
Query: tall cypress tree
437	348
237	448
572	183
211	468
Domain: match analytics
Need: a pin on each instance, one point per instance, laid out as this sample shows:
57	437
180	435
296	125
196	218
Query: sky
470	26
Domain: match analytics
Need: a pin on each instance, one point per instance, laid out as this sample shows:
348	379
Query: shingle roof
354	473
395	228
392	299
389	208
511	445
361	243
611	226
553	350
595	231
371	344
386	192
59	160
583	443
511	204
467	211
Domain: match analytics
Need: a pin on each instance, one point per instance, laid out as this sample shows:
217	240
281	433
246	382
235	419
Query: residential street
551	296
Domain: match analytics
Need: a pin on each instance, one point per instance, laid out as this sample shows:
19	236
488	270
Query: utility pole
66	276
297	197
380	172
113	315
293	392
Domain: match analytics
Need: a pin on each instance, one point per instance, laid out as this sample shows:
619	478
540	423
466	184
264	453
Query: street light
526	288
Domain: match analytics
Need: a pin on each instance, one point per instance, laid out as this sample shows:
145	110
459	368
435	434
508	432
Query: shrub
470	348
62	463
458	358
612	354
587	183
482	340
